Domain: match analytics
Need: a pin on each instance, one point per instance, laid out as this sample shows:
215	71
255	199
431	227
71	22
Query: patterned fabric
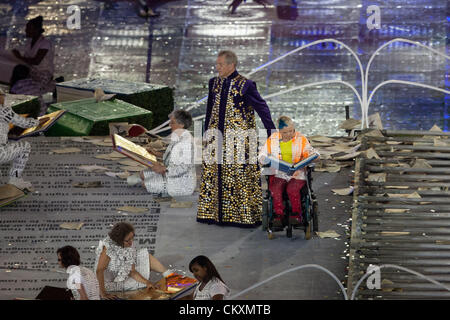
89	281
180	178
212	288
230	191
117	275
17	152
7	116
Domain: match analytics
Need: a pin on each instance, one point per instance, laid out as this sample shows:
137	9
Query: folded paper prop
182	204
17	133
9	194
66	150
133	151
71	225
287	167
100	95
132	209
91	184
328	234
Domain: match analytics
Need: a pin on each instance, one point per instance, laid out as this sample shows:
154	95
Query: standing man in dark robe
230	190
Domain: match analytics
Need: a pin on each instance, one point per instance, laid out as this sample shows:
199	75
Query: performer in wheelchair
290	146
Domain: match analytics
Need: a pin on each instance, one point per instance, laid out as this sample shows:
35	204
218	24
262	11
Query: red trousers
293	187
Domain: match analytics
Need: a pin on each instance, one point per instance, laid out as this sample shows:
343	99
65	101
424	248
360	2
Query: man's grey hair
182	117
230	57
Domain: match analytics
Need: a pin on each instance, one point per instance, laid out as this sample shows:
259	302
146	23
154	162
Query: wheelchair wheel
315	216
266	214
308	231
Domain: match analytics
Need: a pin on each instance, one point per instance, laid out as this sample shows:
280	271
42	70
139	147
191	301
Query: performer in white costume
177	176
17	152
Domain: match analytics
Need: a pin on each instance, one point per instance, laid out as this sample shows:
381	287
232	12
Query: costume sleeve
19	121
253	99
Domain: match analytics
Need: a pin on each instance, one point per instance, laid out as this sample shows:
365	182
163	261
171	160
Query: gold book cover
17	133
133	151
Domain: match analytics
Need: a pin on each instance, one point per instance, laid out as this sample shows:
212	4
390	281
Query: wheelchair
310	210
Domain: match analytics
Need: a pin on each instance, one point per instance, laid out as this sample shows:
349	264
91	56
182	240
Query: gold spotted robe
230	193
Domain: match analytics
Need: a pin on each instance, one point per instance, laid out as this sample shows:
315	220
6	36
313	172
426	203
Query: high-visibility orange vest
300	146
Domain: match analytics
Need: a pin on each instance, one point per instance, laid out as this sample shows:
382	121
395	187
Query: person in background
84	284
21	83
210	286
38	56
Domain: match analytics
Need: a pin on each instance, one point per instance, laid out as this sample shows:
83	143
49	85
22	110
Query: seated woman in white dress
38	57
176	177
82	281
120	267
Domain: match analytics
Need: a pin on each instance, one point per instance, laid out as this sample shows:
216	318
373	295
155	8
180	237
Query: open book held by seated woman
176	176
291	146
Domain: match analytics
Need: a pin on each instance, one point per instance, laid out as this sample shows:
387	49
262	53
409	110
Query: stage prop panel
24	104
88	117
153	97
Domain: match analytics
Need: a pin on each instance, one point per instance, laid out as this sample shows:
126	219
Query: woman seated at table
38	58
176	177
120	267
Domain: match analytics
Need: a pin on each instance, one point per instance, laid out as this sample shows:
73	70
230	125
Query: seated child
211	285
17	152
83	282
290	146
